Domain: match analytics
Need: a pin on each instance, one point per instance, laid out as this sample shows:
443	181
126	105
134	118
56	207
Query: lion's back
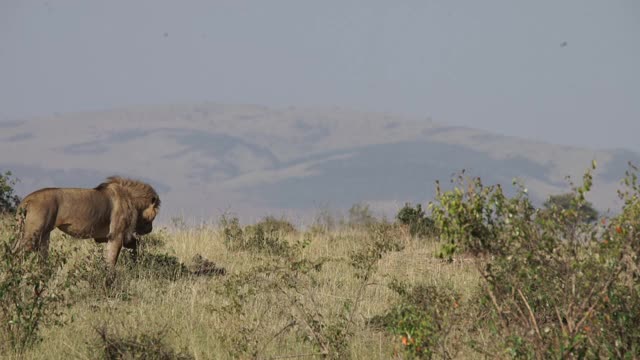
41	197
68	201
85	201
76	211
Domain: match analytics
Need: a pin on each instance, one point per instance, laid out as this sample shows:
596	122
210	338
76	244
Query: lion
111	213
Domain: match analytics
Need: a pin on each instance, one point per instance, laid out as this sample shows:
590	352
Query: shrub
418	222
8	199
565	290
565	202
232	232
423	318
625	228
479	219
381	239
30	295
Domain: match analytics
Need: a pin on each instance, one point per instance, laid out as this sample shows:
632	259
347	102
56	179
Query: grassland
501	279
191	309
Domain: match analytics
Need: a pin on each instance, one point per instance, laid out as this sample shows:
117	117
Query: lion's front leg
114	245
121	227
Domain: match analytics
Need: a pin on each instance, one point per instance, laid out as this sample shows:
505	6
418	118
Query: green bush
418	222
8	199
423	318
568	289
565	202
30	293
479	219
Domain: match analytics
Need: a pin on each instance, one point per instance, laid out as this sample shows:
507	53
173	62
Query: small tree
8	199
418	222
585	211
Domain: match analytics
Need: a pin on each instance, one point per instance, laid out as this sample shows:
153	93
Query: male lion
111	212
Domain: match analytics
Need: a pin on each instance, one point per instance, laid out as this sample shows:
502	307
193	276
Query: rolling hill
253	160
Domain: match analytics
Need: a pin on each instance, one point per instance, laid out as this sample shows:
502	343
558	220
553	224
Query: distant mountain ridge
208	158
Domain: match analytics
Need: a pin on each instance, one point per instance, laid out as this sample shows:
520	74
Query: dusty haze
161	85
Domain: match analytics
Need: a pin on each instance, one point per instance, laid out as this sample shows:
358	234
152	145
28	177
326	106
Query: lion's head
143	197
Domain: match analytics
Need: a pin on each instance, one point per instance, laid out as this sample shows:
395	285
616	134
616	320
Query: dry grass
189	307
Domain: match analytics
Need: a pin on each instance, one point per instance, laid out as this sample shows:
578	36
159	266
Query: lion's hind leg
43	245
37	227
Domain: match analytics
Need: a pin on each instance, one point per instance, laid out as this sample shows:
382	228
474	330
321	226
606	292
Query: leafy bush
30	294
565	202
381	239
479	219
424	317
569	289
8	199
418	222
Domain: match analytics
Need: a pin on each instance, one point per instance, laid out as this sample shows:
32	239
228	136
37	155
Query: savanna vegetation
474	274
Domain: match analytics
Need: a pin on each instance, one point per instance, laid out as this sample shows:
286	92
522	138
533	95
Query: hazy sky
561	71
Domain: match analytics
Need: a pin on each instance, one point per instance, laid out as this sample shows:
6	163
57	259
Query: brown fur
111	212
